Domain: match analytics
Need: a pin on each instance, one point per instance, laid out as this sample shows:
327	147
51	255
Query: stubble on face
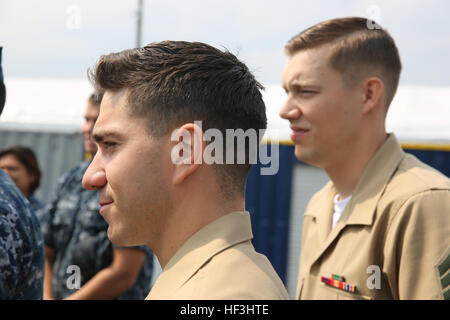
143	200
137	174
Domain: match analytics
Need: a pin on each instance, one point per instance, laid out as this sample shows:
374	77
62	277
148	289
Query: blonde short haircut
358	49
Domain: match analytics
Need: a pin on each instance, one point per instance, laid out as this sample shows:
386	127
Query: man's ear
374	94
187	152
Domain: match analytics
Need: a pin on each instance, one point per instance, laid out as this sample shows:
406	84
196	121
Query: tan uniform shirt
392	240
219	262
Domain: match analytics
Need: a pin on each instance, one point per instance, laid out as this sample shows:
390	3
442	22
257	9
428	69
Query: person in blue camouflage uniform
75	234
21	244
21	165
36	204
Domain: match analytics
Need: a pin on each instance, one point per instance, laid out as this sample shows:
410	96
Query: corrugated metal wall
57	152
307	180
268	199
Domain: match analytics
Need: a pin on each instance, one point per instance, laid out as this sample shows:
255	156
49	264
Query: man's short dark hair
358	49
177	82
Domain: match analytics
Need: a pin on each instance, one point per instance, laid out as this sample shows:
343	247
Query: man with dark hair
80	261
21	245
380	228
190	213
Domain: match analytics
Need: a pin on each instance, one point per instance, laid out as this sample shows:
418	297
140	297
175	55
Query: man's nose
95	177
290	110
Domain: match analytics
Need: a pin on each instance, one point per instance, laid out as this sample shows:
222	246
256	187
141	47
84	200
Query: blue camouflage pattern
73	227
21	246
35	204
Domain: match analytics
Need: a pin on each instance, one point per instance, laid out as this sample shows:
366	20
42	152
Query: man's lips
104	205
298	132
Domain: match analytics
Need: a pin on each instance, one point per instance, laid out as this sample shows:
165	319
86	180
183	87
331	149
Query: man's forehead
116	122
112	120
113	103
115	97
305	65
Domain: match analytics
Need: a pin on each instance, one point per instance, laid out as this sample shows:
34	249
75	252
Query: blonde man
380	228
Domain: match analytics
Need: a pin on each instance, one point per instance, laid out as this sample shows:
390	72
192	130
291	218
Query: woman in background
22	167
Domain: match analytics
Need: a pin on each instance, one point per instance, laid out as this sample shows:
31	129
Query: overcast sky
62	38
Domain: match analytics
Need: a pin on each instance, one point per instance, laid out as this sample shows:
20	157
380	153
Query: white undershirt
339	206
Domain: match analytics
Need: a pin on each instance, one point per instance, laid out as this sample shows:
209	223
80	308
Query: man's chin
307	157
301	154
121	241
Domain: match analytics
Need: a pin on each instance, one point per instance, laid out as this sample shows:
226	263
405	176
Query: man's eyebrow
289	85
99	137
295	80
298	82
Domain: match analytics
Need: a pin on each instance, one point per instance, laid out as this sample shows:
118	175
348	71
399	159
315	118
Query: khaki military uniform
219	262
392	240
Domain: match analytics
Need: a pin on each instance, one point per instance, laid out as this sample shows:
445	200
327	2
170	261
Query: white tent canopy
417	114
43	104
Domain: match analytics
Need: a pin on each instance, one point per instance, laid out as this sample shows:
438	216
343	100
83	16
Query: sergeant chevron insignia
443	274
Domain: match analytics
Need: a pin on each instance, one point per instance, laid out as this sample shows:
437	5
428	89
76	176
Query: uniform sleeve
417	239
46	214
8	277
45	217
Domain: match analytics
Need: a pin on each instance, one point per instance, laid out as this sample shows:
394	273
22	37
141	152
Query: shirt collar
369	189
222	233
371	185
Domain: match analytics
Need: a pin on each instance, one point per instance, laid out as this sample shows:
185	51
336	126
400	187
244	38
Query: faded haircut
171	83
356	50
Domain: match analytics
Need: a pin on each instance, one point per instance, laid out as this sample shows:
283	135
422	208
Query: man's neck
190	216
347	171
